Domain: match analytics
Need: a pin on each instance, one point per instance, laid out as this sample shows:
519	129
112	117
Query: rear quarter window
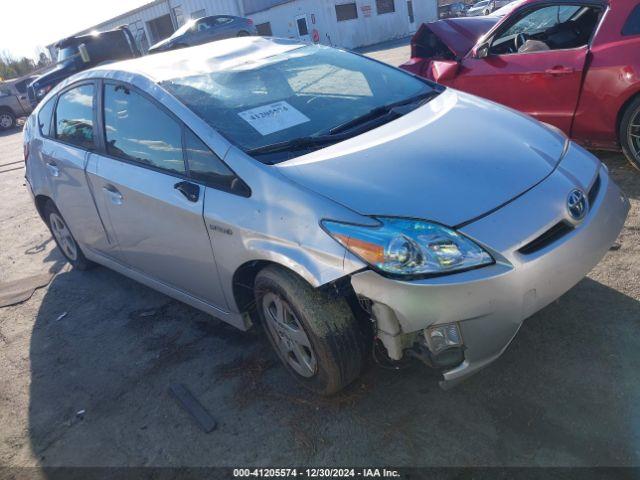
44	118
632	25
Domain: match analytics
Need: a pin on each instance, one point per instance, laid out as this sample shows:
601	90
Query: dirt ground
90	388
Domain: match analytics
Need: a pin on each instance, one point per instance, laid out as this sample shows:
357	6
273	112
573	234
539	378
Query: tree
11	67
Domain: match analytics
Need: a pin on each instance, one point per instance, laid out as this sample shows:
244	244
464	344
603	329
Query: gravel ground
565	393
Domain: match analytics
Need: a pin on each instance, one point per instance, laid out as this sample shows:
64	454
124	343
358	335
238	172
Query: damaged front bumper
489	304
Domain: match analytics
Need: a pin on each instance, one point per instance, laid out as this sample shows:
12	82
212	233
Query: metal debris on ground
61	316
193	407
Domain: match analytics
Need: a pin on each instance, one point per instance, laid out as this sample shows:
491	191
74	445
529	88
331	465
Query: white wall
365	30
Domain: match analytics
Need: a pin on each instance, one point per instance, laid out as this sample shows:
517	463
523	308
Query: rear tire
64	239
630	133
7	120
317	338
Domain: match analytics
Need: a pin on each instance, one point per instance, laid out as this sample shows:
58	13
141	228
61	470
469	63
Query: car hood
61	71
461	34
450	161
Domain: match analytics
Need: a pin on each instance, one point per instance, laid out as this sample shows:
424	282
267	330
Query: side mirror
444	70
84	53
482	51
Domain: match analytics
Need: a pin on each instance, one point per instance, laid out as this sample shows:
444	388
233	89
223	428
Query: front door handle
559	70
53	168
190	190
113	193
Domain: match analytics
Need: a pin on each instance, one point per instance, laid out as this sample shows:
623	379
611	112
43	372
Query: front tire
7	120
64	239
317	338
630	133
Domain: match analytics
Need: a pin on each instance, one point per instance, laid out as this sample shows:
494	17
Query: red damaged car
574	64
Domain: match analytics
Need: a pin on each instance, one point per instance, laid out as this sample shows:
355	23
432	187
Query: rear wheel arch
41	201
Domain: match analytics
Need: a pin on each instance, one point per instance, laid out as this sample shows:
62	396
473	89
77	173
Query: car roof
209	57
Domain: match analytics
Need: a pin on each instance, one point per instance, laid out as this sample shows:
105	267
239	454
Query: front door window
556	27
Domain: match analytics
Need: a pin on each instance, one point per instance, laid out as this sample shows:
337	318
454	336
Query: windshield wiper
381	111
339	132
295	144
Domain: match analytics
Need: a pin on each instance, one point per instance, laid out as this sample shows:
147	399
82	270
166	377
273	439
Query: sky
26	25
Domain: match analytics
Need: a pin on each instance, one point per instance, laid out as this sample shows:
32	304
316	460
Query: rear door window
138	130
74	116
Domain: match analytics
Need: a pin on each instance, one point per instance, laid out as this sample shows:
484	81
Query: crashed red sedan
574	64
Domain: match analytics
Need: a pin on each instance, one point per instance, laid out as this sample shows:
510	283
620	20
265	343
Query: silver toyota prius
350	208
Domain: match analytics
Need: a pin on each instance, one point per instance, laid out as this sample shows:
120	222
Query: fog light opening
443	337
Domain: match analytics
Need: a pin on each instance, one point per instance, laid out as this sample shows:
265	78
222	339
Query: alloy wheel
63	236
6	120
288	335
633	135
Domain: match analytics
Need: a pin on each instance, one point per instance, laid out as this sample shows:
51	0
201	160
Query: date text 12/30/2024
315	473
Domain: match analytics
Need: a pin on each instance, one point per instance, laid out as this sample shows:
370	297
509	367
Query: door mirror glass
84	53
482	51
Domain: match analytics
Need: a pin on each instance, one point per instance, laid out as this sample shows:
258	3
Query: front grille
556	232
593	192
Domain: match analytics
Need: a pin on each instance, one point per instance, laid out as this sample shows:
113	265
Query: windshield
508	8
480	4
183	29
302	93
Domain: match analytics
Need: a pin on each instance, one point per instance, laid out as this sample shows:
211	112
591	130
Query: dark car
456	9
82	52
206	29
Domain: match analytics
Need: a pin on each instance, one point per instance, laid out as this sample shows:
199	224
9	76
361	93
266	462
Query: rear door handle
190	190
559	70
53	168
113	193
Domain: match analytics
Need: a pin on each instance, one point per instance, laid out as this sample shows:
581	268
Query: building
344	23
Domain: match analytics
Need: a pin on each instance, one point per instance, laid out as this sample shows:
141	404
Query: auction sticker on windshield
273	117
